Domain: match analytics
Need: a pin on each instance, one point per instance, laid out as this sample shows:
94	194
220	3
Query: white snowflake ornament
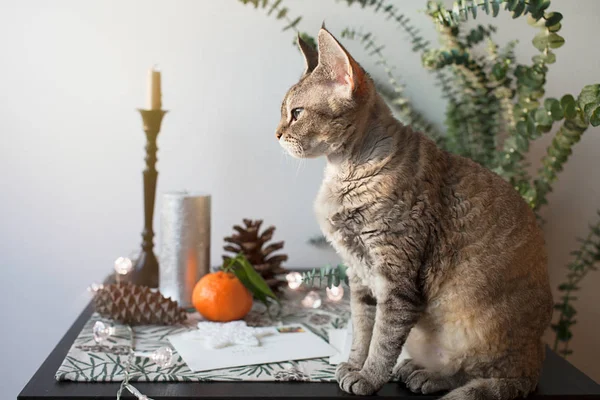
218	335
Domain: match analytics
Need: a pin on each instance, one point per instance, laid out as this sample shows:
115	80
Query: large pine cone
254	246
137	305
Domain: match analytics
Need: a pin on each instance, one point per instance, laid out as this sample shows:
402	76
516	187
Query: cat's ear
311	57
338	64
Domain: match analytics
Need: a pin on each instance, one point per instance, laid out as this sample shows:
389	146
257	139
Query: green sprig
331	276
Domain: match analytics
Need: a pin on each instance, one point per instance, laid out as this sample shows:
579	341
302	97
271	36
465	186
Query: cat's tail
493	389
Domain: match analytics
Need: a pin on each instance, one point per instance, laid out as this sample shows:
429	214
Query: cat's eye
296	113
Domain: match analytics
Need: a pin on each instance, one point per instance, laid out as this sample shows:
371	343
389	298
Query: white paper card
341	339
292	342
337	338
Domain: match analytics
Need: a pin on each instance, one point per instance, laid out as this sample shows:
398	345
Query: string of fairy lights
313	298
103	332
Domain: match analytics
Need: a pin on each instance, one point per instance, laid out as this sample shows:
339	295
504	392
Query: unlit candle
154	90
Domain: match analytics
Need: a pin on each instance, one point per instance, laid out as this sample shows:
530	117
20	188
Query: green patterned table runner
88	362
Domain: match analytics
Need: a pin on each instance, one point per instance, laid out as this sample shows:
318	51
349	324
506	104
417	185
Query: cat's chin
301	154
312	150
293	150
298	156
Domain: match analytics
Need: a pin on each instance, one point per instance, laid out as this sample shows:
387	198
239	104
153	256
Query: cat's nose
279	134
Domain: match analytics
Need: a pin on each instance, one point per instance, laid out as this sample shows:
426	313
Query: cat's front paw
344	369
353	381
426	382
403	370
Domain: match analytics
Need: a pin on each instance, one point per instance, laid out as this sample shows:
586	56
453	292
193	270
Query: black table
560	380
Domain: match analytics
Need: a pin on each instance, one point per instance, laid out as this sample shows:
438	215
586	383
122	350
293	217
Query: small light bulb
335	293
163	357
102	332
312	300
95	287
123	265
294	280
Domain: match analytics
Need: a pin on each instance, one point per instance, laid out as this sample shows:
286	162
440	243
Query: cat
445	258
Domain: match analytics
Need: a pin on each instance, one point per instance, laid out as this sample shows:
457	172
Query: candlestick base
145	271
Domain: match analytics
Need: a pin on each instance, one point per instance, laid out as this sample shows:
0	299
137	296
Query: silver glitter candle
185	244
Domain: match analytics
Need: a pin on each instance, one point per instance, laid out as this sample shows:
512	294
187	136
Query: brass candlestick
145	271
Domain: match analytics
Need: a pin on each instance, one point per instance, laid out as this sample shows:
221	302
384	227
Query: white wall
72	74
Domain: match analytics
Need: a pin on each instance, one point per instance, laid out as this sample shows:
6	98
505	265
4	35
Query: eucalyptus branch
278	10
530	80
387	8
578	118
478	105
419	44
401	103
586	259
502	66
478	35
331	276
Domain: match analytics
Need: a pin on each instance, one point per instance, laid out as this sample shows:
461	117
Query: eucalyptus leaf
569	106
555	40
553	18
495	8
554	108
293	23
486	6
512	4
499	71
550	58
540	41
522	143
589	94
522	128
274	6
542	128
543	117
518	10
555	28
531	131
595	117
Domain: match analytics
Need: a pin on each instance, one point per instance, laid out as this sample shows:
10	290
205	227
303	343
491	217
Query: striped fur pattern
446	259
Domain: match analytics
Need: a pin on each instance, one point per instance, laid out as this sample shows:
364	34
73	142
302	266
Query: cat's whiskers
285	155
301	164
291	159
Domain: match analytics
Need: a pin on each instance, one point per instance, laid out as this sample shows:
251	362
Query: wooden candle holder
145	271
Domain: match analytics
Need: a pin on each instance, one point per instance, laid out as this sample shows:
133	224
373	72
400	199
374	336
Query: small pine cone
137	305
256	246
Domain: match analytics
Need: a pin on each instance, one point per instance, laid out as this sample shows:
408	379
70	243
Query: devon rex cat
445	257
